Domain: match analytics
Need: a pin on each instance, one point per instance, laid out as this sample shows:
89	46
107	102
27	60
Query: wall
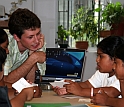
46	10
113	1
7	4
89	66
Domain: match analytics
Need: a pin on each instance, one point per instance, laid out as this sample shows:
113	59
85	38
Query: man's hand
41	41
39	56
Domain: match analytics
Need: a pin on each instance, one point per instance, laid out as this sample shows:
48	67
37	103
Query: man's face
29	40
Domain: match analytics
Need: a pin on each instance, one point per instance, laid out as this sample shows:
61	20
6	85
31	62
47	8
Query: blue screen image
64	64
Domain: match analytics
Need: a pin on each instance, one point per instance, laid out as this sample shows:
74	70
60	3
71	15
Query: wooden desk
51	97
4	24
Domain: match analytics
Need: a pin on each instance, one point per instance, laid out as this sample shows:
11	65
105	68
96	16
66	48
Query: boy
26	46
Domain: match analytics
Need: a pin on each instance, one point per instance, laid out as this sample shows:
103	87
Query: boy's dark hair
23	19
119	53
3	56
3	36
110	44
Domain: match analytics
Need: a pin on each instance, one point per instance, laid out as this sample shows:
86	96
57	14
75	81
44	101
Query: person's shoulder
13	46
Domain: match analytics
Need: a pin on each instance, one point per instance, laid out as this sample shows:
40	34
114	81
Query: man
26	46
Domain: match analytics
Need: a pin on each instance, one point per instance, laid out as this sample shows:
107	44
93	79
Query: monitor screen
64	63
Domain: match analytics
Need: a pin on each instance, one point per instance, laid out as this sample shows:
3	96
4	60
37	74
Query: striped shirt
15	58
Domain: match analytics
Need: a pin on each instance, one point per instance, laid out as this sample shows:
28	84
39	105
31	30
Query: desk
51	97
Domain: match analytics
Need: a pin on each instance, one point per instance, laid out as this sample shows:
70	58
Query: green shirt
15	58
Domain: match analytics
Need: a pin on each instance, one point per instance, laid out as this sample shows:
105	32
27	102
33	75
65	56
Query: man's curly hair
23	19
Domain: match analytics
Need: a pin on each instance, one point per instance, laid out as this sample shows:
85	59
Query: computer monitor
64	63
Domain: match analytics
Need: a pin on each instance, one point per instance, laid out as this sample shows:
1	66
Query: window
66	10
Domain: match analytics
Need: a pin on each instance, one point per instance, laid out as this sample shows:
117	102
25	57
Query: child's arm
25	95
103	99
84	89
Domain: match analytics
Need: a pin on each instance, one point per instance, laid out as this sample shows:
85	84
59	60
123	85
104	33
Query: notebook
64	63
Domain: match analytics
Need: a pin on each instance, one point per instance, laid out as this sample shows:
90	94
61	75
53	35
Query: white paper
84	100
71	96
21	84
58	83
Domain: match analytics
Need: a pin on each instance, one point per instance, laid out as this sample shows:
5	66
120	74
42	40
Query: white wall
113	1
7	4
46	10
89	66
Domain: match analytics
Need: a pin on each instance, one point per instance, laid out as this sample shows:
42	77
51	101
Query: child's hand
29	92
73	87
38	92
59	91
100	98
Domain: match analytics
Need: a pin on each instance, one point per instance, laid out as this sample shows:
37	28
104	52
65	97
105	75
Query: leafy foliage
84	26
62	35
112	13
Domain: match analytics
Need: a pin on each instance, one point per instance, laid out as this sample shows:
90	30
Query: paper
58	83
21	84
84	100
71	96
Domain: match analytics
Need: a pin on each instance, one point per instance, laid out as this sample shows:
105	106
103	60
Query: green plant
84	26
112	18
62	35
112	13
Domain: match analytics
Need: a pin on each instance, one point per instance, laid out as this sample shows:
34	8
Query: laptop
63	63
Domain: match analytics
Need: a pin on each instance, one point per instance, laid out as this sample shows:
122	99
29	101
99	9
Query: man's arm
31	75
25	68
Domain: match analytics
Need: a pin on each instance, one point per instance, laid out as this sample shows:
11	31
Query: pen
91	92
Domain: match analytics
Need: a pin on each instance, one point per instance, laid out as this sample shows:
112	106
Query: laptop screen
64	63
